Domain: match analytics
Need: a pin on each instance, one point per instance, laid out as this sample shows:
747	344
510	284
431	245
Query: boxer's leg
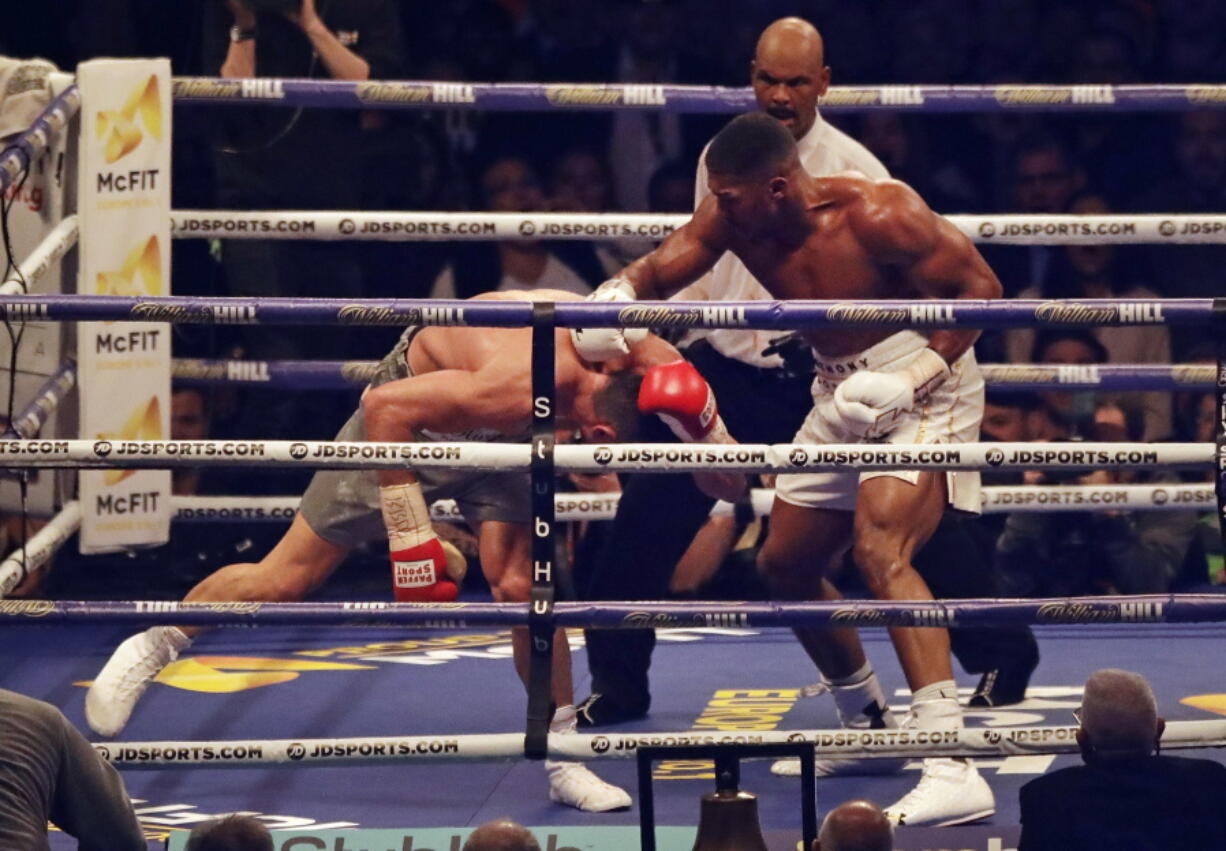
894	518
297	565
506	559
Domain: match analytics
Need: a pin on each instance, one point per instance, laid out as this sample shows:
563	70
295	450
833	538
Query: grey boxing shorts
342	506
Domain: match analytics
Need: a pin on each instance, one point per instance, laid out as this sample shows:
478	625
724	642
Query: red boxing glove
419	563
681	397
419	574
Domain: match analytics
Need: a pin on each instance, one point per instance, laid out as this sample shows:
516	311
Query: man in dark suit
48	771
1126	796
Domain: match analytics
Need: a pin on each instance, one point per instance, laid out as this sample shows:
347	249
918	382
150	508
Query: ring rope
1131	609
46	400
570	507
537	97
33	142
54	246
342	375
623	457
789	315
967	742
431	226
40	549
573	507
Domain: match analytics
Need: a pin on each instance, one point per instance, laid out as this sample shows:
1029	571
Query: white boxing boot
950	791
573	783
126	675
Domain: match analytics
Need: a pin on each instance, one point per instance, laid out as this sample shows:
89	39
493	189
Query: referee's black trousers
633	557
659	514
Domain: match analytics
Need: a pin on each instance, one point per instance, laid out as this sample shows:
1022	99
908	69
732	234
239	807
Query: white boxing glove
601	344
869	404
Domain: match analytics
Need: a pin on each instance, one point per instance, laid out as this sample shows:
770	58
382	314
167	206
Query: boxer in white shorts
848	238
950	413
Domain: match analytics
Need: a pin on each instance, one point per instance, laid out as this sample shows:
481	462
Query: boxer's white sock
860	696
565	720
935	706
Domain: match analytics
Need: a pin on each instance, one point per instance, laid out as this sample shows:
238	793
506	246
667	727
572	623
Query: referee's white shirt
823	150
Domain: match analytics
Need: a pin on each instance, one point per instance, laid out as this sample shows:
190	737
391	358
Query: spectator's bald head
789	73
855	826
1119	715
501	835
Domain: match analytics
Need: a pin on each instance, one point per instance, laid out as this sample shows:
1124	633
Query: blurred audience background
636	161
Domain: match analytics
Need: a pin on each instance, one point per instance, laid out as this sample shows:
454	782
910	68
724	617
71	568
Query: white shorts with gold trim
950	414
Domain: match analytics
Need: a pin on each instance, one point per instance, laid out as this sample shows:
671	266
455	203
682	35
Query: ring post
540	614
1219	433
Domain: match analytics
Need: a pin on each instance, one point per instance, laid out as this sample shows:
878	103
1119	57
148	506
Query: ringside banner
124	192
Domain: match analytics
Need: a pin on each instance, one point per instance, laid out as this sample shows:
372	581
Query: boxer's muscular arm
932	257
453	400
684	257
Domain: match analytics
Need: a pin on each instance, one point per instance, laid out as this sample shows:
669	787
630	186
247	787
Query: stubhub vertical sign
124	247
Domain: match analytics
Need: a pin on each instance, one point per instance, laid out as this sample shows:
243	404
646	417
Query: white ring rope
1119	229
54	246
40	548
603	506
971	742
624	457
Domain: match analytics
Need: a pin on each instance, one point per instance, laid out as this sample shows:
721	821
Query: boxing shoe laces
121	682
573	784
950	791
871	717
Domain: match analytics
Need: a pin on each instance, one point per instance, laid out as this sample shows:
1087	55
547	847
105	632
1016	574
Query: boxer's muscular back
504	350
870	240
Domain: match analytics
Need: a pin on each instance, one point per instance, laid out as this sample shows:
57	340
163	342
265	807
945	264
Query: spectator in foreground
49	772
232	833
1126	796
501	835
855	826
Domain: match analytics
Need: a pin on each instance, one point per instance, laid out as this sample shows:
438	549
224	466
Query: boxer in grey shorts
454	383
342	506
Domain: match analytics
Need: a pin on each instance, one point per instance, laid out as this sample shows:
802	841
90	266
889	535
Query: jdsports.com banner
124	251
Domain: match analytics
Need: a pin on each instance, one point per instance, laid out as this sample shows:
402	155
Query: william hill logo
121	131
634	95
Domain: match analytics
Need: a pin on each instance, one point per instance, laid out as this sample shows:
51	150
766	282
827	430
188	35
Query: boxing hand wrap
419	564
601	344
870	403
678	394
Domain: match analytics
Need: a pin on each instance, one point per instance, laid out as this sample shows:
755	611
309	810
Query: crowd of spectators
453	159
